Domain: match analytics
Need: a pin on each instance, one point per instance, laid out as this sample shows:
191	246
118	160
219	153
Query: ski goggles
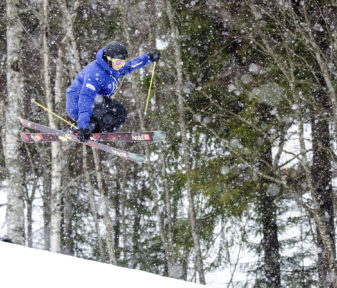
117	62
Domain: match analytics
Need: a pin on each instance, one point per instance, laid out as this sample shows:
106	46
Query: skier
90	96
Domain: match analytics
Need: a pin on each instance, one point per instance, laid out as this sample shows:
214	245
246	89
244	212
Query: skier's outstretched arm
140	62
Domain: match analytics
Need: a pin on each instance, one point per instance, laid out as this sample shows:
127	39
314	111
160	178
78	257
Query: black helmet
116	50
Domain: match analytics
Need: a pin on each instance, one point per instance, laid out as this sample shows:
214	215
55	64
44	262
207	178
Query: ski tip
140	159
159	136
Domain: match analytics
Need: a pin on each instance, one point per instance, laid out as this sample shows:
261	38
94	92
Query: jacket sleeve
135	64
86	101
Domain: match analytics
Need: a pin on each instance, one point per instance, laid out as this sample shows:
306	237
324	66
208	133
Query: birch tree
15	94
56	165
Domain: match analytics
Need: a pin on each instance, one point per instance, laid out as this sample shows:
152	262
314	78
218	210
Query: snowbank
26	267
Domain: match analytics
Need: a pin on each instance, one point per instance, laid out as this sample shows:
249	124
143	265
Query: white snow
27	267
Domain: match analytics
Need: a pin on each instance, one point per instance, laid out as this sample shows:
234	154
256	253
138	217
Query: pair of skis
50	135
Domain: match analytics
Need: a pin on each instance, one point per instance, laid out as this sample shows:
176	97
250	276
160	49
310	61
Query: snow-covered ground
27	267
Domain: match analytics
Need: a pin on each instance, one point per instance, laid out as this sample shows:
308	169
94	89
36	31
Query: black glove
155	56
83	134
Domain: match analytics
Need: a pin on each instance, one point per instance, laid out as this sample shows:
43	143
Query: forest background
246	92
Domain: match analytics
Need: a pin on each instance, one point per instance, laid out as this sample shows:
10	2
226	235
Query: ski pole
51	112
148	94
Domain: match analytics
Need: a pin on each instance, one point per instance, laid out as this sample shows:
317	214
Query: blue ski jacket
97	78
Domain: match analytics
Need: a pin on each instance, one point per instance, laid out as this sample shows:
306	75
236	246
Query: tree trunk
268	211
321	176
107	218
15	85
136	234
69	29
67	224
29	204
93	205
174	269
56	167
46	208
318	217
123	198
117	225
186	156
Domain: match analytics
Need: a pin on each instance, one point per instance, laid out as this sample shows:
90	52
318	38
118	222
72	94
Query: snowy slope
25	267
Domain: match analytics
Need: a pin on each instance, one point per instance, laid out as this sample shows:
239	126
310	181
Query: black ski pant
108	116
